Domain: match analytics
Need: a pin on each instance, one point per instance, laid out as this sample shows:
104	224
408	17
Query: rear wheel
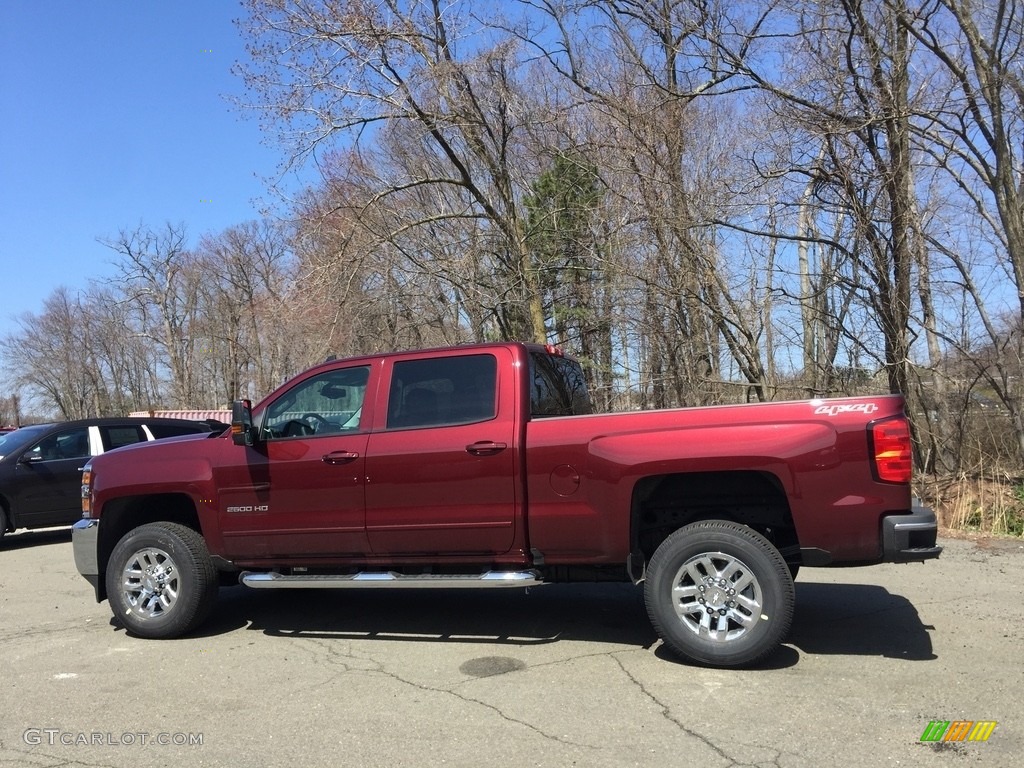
161	582
718	593
3	521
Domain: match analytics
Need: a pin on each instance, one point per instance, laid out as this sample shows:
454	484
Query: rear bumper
85	536
910	538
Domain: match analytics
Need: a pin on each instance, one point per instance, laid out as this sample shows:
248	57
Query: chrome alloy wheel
717	597
150	583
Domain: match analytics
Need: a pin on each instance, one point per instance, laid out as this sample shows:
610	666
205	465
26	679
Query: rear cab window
557	386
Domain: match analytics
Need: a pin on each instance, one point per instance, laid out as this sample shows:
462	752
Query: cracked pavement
561	675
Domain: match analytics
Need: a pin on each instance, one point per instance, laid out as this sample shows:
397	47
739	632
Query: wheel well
122	515
5	516
664	503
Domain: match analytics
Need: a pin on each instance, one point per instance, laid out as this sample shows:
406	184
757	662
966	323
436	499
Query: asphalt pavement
557	676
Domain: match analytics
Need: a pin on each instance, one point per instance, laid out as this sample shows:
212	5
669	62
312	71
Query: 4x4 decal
836	409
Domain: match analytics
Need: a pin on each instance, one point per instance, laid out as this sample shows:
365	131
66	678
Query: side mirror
241	422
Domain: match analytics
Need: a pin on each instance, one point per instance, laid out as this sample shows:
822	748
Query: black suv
41	465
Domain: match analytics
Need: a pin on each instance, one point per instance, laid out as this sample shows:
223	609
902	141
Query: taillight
87	492
892	450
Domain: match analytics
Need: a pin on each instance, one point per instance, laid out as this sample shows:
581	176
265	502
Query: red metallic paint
416	494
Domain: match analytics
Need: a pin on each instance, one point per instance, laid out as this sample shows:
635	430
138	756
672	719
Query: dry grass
978	503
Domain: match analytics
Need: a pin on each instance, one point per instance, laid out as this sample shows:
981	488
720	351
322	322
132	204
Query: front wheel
161	582
718	593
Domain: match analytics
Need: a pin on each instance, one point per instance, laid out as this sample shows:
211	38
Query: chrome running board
390	579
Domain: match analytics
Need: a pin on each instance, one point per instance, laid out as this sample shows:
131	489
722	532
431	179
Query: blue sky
113	113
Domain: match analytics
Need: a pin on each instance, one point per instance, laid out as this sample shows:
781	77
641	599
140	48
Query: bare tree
378	267
78	357
247	307
973	132
10	411
333	69
849	94
977	129
156	279
650	72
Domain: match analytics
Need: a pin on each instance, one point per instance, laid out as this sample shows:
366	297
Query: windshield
18	440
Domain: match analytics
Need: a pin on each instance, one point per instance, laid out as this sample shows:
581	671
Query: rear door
441	465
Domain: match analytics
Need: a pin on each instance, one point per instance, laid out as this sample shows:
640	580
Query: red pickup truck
482	466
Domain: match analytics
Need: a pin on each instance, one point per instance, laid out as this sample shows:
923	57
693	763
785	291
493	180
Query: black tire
161	582
3	522
724	570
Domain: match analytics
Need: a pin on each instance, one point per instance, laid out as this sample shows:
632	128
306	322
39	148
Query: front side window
442	391
70	444
329	403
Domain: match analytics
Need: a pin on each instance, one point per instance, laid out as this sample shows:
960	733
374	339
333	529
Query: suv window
330	402
69	444
161	431
116	436
442	391
11	442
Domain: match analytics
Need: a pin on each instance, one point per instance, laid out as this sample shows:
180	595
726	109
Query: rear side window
117	436
161	431
557	386
442	391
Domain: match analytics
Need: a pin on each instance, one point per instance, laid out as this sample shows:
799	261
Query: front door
299	490
48	479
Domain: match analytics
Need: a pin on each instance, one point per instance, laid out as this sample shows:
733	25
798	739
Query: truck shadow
844	619
858	620
610	613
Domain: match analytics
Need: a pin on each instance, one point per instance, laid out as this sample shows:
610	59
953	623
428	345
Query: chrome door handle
339	457
486	448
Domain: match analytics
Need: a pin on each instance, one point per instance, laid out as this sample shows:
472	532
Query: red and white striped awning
224	416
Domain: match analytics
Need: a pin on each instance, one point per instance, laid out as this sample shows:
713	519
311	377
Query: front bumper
85	536
910	538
